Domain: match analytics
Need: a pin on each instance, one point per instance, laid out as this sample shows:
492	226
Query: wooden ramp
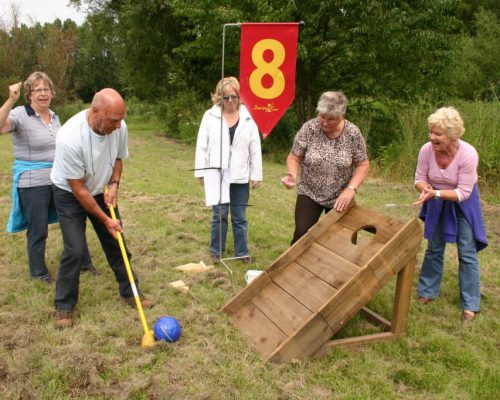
309	293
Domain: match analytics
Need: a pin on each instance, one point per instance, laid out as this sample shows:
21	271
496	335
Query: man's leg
72	223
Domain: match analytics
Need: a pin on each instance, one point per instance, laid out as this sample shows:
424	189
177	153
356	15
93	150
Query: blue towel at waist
17	221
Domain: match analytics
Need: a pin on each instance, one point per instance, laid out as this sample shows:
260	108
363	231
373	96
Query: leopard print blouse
327	164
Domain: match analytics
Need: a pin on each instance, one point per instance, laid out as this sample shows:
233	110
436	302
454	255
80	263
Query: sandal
424	300
468	316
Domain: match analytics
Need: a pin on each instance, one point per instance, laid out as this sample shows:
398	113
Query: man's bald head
108	98
107	111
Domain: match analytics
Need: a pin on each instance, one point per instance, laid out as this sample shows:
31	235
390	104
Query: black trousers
307	213
72	217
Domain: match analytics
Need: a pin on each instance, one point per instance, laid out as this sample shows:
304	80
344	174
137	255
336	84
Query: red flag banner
267	71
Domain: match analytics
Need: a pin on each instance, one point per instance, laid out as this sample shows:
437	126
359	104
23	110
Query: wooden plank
332	268
349	299
353	342
305	287
397	252
340	242
246	294
305	341
281	308
260	330
402	298
359	217
304	242
375	318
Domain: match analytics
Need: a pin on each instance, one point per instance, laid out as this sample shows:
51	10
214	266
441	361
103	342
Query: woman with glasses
228	143
34	127
330	153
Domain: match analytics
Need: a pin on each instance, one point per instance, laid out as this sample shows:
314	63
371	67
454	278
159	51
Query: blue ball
168	329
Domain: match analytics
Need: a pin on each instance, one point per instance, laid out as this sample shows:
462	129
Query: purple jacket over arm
471	208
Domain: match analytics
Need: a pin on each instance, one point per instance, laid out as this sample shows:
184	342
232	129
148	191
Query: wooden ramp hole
364	235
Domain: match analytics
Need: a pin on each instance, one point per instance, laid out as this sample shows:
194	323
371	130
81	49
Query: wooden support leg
402	298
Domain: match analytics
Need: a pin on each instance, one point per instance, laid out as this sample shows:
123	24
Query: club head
148	340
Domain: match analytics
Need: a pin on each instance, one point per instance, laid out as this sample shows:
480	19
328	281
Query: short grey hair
332	104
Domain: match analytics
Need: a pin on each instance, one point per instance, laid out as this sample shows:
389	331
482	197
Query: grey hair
332	104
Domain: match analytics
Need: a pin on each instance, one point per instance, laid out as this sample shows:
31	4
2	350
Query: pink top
460	175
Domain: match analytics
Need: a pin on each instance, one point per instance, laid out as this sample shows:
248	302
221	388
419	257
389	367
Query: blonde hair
29	84
448	119
221	87
332	104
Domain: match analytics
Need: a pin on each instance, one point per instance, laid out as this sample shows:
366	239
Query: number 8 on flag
267	71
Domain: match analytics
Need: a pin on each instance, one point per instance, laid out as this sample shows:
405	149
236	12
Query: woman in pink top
446	178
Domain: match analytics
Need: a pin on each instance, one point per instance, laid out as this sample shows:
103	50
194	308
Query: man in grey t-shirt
89	151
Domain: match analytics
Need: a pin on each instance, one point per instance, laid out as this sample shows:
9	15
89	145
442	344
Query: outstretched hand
289	181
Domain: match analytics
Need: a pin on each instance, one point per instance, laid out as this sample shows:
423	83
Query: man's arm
114	183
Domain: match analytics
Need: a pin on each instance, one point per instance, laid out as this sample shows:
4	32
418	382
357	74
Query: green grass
166	225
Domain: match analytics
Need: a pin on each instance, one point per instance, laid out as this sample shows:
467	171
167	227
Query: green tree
475	69
96	58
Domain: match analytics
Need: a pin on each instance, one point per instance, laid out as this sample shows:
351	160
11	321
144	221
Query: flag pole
221	174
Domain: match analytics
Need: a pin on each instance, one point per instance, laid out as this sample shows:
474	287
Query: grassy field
166	225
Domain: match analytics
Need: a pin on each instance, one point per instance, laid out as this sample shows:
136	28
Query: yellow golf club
148	340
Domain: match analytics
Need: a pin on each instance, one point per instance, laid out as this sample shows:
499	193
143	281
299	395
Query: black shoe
90	269
246	260
44	278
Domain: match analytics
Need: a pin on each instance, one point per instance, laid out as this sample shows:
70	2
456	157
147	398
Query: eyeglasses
40	91
233	97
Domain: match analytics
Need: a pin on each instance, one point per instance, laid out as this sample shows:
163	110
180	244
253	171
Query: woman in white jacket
241	158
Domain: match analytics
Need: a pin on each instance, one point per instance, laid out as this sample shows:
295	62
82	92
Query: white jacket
244	156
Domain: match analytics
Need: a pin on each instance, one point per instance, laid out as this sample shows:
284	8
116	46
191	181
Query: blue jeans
72	217
468	273
36	202
238	197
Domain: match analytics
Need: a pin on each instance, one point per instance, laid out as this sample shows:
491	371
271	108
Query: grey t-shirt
33	141
82	153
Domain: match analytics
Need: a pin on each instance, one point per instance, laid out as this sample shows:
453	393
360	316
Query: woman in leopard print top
330	153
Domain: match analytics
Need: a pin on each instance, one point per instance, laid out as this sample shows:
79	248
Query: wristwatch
438	194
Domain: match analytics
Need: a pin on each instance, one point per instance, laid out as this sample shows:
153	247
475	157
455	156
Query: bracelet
352	188
117	183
